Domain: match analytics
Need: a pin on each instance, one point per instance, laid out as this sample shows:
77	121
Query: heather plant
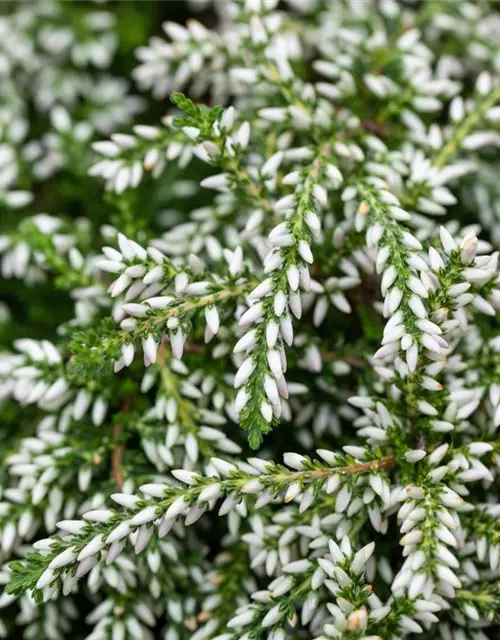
270	407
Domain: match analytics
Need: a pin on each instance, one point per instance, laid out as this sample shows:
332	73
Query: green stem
453	145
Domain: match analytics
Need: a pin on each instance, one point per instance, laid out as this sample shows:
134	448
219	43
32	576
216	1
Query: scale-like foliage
300	255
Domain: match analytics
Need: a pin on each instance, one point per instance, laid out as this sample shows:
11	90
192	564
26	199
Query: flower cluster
53	59
301	257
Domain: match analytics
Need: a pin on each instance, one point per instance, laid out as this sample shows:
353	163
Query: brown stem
191	347
117	457
119	448
376	127
384	463
344	357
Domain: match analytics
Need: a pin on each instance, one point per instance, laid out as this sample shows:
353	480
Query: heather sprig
299	256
